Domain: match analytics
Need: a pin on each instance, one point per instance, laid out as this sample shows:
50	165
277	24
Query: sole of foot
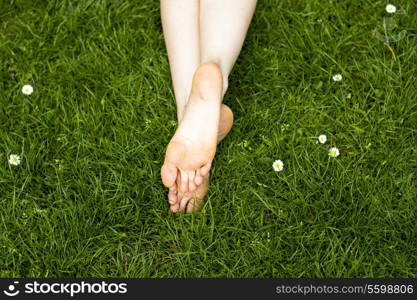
192	148
191	202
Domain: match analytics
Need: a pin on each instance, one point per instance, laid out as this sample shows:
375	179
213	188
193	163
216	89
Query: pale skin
203	40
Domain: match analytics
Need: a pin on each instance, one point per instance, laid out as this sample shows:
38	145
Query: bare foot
193	201
192	148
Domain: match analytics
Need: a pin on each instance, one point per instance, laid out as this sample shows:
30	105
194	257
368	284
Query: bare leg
223	27
180	21
181	26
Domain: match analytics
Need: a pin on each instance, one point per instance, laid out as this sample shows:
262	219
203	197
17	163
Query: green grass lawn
87	199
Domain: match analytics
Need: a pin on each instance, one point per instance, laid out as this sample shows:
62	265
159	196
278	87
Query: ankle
181	102
180	112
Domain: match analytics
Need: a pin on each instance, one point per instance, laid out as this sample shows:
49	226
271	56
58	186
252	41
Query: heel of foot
208	80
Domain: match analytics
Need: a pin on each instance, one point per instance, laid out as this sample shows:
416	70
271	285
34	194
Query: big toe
168	174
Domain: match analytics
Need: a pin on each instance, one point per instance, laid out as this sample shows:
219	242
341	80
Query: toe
179	192
174	208
172	197
193	206
179	197
183	181
183	204
204	170
198	179
168	174
173	188
191	182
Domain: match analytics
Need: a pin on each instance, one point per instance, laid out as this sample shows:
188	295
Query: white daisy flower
334	152
322	138
14	159
337	77
27	89
390	9
278	165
